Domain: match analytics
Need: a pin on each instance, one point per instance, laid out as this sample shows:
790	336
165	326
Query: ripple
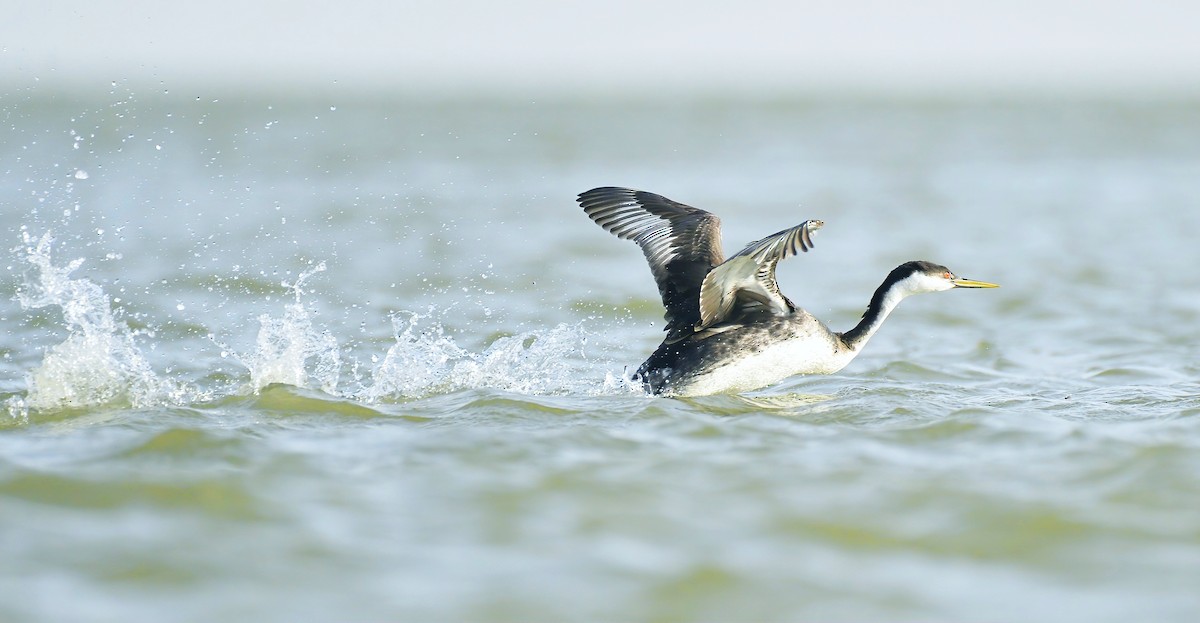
215	497
279	399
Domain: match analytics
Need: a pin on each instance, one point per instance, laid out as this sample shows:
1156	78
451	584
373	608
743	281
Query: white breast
812	352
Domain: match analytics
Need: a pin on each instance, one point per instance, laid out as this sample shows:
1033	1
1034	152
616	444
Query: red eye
947	275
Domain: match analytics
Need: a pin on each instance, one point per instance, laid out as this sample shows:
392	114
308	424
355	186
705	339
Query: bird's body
729	328
745	357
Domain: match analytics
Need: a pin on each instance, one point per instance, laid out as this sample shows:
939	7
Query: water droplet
80	174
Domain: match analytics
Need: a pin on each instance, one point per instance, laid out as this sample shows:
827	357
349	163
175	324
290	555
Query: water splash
527	363
99	362
417	364
285	345
425	360
621	383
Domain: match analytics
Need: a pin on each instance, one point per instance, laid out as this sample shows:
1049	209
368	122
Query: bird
729	327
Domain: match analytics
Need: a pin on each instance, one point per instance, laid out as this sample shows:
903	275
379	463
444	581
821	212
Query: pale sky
910	45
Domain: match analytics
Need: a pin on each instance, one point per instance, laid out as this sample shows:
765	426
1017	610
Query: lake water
360	357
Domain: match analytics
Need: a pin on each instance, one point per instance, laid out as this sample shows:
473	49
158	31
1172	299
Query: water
360	358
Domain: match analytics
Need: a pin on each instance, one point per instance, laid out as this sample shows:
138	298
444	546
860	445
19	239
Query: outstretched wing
681	243
746	282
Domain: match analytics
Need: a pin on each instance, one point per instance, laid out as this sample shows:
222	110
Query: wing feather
681	244
746	282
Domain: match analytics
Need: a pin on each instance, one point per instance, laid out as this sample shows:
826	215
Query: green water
361	359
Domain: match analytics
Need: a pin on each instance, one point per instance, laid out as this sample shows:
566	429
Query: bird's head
920	276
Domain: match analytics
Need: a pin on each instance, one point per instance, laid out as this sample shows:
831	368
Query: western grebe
729	328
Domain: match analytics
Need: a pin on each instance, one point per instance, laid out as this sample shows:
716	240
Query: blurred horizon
624	48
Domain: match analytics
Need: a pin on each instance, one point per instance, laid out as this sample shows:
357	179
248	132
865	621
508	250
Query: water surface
281	357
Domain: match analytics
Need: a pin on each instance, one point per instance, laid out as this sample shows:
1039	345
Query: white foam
426	361
534	362
285	345
99	362
419	363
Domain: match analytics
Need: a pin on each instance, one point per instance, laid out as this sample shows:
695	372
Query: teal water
308	357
